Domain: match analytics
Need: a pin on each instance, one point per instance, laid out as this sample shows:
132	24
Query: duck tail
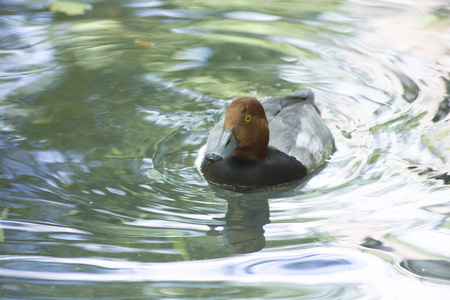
307	95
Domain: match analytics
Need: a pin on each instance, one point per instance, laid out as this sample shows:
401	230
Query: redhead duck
268	144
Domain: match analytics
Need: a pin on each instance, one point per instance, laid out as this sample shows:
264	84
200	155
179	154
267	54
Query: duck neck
253	151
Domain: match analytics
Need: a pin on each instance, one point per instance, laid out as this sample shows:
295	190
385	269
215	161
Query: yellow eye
248	118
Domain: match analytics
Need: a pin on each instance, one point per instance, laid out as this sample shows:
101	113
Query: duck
266	145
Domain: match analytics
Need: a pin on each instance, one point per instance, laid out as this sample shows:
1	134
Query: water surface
105	106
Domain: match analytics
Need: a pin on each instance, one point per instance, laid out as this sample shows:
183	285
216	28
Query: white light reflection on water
309	269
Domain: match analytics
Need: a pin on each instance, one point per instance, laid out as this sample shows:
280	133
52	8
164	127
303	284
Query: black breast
245	175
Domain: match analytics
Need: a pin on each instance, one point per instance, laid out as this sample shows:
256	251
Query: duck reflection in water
243	224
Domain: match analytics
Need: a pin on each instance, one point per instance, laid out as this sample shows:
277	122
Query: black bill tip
213	157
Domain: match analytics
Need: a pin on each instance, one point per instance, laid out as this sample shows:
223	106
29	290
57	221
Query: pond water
105	104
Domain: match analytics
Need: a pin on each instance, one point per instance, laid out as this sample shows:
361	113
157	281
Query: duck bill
227	143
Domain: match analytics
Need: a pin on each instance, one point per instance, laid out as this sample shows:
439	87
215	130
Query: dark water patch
312	265
437	269
444	106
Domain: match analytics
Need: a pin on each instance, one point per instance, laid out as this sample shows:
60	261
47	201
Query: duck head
245	132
